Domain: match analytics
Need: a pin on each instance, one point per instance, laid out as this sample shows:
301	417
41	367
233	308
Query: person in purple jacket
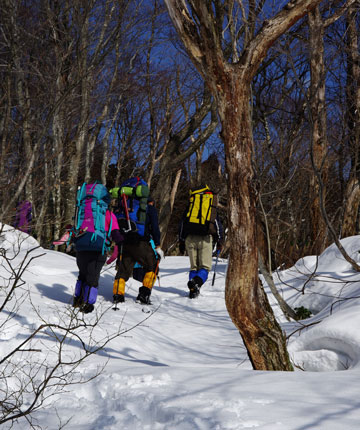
23	216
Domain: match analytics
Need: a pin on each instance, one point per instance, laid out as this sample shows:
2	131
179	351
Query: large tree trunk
318	130
246	300
202	29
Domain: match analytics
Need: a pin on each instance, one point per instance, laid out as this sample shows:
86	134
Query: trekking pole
157	271
213	279
120	258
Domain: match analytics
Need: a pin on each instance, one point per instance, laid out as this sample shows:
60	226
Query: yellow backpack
201	212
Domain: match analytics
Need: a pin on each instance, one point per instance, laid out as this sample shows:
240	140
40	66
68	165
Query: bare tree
318	127
228	71
21	91
352	193
318	119
178	146
291	110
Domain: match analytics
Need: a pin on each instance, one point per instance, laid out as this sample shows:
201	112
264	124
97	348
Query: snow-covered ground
183	366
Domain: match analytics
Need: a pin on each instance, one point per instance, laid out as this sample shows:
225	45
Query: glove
219	248
113	255
64	238
160	252
182	248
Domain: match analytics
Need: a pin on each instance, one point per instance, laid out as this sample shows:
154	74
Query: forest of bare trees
102	90
259	98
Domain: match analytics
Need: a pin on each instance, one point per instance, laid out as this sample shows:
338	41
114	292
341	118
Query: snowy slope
183	365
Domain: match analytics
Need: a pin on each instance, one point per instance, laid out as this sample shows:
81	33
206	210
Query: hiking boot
87	308
194	288
194	292
144	295
118	298
77	302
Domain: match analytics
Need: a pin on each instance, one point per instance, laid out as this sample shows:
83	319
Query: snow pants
140	252
90	264
199	249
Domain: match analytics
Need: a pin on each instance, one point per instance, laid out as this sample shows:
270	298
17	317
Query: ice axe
123	196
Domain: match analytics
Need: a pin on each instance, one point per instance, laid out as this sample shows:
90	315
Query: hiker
95	226
138	222
199	228
23	216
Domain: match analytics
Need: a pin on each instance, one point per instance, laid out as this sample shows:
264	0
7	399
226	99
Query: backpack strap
97	225
200	206
214	208
210	206
78	204
107	237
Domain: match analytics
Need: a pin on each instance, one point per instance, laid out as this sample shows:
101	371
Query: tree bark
352	200
246	300
318	129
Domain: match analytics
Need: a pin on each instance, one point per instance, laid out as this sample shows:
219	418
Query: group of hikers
126	216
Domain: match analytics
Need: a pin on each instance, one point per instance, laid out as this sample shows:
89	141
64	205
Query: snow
183	366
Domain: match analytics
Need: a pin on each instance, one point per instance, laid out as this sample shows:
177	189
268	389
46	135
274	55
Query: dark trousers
140	252
90	264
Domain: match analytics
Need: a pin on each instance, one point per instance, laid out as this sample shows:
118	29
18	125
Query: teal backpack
89	233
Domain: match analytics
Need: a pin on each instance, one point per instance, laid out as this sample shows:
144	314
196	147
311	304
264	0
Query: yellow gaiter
149	279
119	286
